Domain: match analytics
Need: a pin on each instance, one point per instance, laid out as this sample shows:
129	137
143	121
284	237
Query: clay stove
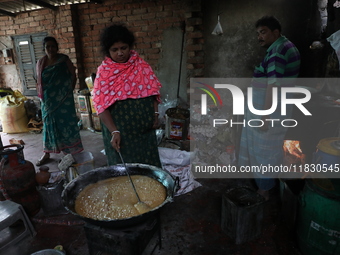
132	240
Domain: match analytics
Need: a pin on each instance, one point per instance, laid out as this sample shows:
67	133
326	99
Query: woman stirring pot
126	95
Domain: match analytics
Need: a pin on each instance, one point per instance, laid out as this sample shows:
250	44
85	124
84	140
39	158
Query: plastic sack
159	135
31	108
334	40
165	105
174	157
15	99
177	162
187	182
218	28
13	113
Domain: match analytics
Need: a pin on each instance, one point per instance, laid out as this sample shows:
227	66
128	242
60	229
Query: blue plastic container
321	157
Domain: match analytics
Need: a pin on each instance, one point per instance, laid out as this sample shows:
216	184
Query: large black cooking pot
74	187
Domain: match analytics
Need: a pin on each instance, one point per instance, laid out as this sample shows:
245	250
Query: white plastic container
84	162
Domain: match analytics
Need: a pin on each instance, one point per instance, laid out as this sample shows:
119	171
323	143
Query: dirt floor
191	224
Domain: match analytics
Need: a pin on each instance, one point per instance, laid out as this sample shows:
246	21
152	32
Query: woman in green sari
126	95
56	81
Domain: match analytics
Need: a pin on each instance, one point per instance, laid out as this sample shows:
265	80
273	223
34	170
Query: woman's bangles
114	132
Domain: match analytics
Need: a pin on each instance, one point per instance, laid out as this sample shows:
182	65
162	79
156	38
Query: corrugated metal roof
13	7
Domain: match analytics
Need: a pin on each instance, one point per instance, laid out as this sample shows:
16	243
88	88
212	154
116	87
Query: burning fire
292	147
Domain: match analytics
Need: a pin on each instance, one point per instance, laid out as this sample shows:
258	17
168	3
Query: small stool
10	213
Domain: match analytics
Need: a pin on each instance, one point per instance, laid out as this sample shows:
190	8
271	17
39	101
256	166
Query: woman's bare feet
43	159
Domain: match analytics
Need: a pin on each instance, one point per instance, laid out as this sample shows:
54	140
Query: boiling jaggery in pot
114	198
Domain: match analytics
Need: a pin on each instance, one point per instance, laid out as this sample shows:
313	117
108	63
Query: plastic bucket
328	151
84	162
318	221
321	157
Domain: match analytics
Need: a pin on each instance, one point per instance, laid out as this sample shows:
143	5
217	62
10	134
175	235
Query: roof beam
96	1
7	13
43	4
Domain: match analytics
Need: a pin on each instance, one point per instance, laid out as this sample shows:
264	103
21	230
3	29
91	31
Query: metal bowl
48	252
74	187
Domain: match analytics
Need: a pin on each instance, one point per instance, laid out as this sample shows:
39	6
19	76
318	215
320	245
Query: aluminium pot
74	187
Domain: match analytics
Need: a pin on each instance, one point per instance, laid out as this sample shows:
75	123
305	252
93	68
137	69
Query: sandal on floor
43	160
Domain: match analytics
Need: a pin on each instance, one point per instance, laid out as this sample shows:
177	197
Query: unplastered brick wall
148	20
77	29
56	23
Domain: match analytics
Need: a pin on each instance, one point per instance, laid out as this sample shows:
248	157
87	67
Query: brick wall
148	20
77	29
56	23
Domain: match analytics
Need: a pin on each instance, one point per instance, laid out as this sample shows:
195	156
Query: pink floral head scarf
119	81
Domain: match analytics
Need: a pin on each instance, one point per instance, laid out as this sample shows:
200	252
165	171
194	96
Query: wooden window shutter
29	50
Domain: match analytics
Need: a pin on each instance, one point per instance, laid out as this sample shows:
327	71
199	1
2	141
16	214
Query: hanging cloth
218	28
334	40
